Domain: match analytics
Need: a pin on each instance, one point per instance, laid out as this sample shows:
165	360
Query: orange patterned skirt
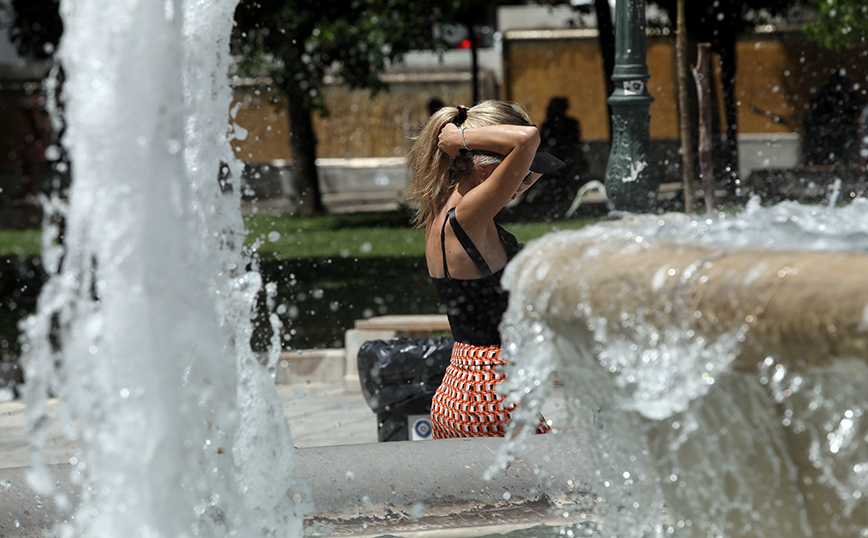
466	404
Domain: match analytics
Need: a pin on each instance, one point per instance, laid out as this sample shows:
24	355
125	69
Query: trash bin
399	377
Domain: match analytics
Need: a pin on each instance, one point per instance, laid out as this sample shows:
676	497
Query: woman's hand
450	141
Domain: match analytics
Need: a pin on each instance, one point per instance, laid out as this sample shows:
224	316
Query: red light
465	44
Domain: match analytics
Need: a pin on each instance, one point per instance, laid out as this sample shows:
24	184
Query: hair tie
462	115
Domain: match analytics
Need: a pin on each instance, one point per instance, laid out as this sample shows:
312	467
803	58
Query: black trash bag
399	377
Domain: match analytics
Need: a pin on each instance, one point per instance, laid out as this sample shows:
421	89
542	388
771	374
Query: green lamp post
631	178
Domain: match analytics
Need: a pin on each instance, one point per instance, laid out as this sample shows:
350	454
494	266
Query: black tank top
475	306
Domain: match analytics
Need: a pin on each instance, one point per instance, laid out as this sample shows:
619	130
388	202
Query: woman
466	165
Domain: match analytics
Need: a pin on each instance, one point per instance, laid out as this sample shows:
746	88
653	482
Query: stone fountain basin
810	308
395	488
803	313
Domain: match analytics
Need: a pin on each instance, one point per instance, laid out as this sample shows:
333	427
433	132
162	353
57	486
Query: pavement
319	414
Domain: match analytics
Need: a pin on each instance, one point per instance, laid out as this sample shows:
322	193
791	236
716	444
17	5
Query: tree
297	45
682	68
35	26
839	23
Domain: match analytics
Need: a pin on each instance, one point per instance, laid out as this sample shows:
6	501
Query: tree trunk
470	17
688	172
703	93
302	140
606	36
729	158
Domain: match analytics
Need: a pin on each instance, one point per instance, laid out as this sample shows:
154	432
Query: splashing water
673	425
142	331
827	412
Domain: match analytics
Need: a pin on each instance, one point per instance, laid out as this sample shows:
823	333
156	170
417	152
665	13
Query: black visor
543	162
546	163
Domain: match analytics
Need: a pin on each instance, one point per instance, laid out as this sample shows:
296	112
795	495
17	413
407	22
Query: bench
414	326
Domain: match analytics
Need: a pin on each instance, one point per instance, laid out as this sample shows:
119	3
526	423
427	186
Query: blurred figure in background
560	135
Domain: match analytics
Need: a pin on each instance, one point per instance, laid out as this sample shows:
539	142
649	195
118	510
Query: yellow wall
537	70
661	86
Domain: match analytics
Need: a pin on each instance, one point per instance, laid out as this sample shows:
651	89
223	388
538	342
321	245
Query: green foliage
839	23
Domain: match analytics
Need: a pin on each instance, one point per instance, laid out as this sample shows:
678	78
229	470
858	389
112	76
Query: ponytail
430	182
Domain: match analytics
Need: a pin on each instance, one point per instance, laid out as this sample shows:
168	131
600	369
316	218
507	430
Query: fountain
724	360
716	366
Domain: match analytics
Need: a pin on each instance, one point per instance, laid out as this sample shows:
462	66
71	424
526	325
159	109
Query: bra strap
443	246
468	245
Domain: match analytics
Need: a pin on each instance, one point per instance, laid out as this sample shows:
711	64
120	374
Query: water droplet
52	153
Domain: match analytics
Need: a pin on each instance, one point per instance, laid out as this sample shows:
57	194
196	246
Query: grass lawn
355	235
24	243
361	235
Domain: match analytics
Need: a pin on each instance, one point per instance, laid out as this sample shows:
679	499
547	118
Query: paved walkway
318	415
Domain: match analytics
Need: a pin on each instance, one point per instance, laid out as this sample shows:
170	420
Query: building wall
775	73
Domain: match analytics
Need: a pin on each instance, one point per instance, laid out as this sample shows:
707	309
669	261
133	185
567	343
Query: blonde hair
432	172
